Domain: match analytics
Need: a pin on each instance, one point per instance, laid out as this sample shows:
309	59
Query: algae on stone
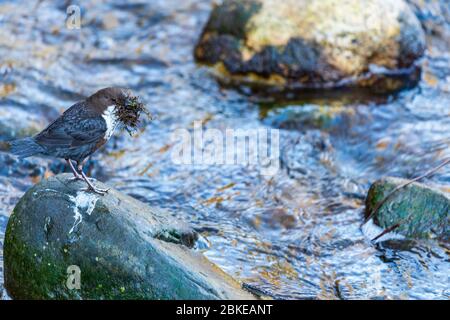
422	211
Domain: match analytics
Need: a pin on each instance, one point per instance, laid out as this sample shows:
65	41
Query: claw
91	186
99	191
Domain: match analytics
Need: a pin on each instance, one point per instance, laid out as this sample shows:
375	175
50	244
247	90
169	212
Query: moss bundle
129	113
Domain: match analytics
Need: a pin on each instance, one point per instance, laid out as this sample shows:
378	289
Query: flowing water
296	234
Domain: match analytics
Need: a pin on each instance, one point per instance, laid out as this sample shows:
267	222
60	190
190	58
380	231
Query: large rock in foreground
313	43
123	248
424	212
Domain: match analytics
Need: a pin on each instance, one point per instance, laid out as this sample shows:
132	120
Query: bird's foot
99	191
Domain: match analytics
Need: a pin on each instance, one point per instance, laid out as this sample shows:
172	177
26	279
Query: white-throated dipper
82	129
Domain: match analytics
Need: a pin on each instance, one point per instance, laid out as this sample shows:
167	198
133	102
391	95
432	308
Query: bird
82	129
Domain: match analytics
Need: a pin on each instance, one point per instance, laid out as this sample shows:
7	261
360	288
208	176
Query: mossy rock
313	43
422	211
123	248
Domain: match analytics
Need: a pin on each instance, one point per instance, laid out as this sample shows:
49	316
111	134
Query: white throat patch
111	121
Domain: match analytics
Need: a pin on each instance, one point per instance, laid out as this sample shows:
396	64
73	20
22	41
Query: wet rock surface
421	211
434	16
123	248
326	118
313	44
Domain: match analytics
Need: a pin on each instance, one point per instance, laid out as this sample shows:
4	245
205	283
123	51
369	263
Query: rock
123	248
435	18
305	117
313	43
425	211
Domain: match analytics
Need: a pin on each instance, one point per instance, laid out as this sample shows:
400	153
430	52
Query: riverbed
293	235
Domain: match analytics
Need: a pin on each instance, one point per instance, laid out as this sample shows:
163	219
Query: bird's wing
74	128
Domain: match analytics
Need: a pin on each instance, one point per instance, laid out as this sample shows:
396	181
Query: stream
293	235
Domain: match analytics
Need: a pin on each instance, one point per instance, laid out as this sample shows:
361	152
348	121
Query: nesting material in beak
129	113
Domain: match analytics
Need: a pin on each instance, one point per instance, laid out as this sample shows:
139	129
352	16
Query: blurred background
293	235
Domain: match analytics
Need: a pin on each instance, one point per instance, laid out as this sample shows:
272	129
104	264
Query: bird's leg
91	187
76	175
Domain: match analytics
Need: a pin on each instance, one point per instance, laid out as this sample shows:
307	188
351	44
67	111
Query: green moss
423	212
30	272
33	273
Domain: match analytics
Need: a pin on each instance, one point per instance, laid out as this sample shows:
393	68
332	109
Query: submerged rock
123	249
313	43
326	118
422	211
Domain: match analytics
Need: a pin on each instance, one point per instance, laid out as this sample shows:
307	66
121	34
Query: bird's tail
24	148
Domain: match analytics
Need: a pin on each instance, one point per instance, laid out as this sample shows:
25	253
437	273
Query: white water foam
371	230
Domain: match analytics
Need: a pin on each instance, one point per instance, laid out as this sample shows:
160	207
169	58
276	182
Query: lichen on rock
313	43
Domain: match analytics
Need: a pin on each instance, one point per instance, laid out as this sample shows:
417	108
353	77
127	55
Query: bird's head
127	107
